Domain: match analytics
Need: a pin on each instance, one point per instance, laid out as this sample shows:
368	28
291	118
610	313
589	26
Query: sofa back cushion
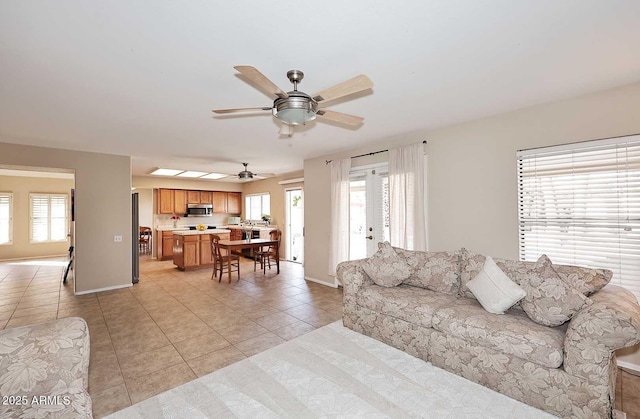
436	271
584	280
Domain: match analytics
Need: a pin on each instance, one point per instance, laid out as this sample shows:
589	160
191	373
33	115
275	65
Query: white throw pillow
495	290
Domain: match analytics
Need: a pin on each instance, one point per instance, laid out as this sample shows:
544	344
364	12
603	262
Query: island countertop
196	232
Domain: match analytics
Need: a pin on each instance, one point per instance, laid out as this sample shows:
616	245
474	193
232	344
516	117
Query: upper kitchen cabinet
193	197
180	202
234	202
165	201
205	197
219	200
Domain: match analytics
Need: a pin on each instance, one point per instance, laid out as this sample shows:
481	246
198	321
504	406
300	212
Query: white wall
103	209
472	184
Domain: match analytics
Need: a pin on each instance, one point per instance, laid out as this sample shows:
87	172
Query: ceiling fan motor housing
297	109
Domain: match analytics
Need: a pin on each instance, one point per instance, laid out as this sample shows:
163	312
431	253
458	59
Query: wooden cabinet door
236	234
219	202
234	202
205	197
165	201
167	247
191	253
193	197
206	258
180	202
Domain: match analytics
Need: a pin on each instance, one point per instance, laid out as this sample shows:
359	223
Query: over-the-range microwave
200	210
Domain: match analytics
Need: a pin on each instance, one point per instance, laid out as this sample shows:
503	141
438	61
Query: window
48	217
257	205
580	205
6	219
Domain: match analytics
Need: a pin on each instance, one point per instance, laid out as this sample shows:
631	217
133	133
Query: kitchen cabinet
165	246
193	197
165	201
234	202
180	202
193	251
219	202
205	197
236	234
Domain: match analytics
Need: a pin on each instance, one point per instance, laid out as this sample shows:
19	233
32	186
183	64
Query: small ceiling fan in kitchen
246	175
296	107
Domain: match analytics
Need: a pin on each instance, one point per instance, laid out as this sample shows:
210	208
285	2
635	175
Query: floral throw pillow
585	280
549	300
386	268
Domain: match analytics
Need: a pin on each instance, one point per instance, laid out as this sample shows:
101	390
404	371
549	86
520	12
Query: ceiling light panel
214	176
166	172
191	173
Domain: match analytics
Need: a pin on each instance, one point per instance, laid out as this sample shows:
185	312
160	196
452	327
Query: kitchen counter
194	232
256	228
169	228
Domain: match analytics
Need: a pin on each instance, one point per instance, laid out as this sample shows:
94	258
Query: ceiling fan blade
349	87
342	118
265	108
261	81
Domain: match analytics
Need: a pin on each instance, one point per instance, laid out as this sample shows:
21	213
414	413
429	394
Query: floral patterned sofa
44	370
568	370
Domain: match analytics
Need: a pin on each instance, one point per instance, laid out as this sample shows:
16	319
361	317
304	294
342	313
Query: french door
295	225
369	210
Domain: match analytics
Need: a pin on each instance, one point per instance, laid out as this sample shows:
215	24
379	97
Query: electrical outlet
117	239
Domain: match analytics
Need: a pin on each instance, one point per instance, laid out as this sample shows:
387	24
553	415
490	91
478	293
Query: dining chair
269	253
144	240
223	262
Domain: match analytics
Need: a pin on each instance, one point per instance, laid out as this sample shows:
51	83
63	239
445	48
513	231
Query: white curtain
339	234
407	227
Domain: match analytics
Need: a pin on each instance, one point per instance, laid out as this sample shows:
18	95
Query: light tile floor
172	326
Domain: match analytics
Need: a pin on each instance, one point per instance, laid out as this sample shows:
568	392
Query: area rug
331	372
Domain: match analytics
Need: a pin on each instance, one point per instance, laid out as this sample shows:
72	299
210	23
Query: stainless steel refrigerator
135	239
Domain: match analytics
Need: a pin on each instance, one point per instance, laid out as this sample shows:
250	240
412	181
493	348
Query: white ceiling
140	77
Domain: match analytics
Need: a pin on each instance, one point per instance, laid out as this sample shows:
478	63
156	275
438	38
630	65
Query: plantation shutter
58	226
5	218
39	217
580	205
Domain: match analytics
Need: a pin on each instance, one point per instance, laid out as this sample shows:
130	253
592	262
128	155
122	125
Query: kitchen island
192	248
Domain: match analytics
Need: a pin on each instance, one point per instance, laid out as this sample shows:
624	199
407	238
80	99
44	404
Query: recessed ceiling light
214	176
191	173
166	172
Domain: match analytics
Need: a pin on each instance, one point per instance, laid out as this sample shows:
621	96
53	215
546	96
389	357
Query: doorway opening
369	210
294	208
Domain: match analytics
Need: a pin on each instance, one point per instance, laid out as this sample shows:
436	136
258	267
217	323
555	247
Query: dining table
231	245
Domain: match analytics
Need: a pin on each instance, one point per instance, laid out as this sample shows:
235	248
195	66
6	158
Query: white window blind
257	205
580	205
49	217
6	218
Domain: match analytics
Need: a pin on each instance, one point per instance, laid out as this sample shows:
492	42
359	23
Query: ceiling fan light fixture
297	109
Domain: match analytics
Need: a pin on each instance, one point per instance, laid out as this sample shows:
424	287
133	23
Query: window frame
10	220
247	199
49	196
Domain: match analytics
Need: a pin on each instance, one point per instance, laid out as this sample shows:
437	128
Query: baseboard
115	287
308	278
35	257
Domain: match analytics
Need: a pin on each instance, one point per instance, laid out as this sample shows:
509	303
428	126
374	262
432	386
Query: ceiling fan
248	175
298	108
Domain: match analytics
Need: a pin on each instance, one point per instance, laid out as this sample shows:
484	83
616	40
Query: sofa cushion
437	271
549	300
585	280
412	304
513	334
46	359
494	289
386	268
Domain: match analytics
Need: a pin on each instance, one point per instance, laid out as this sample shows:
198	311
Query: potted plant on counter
267	219
175	219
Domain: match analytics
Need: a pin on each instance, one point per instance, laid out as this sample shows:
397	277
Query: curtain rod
368	154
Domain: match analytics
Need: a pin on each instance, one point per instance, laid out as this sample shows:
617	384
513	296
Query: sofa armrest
610	323
352	277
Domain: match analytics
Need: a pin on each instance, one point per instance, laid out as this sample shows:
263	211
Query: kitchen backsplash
215	219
